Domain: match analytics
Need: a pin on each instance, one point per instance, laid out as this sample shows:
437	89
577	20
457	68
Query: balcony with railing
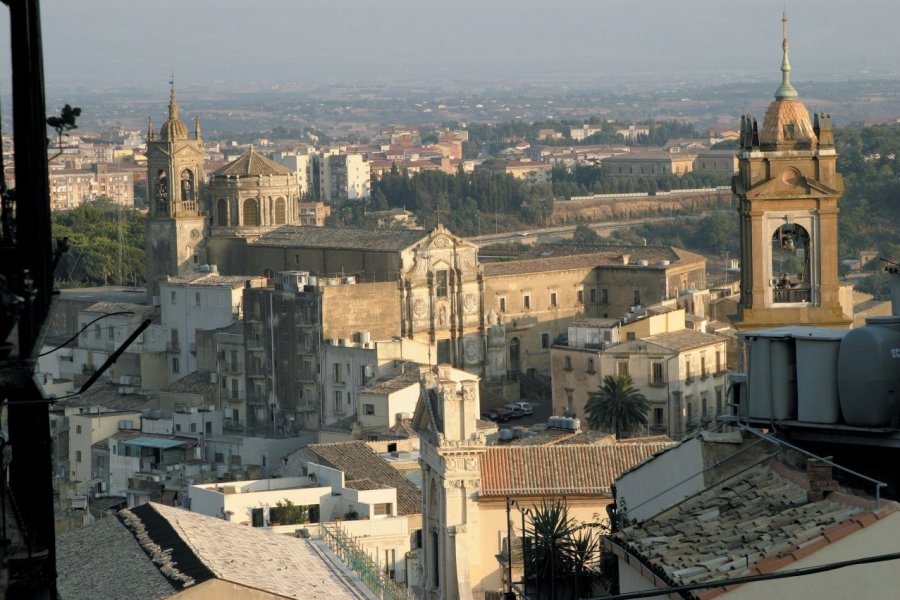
791	295
359	561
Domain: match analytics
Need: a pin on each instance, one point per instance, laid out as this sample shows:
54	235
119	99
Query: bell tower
176	221
787	187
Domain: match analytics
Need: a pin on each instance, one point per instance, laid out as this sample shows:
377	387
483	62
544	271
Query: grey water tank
506	434
817	391
869	373
771	374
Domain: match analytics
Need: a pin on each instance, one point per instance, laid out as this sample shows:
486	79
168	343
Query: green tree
617	406
585	236
559	551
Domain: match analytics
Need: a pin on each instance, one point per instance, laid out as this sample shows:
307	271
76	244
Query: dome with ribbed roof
787	121
250	165
174	128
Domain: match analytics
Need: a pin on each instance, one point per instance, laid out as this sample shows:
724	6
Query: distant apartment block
579	134
69	188
631	132
532	173
314	213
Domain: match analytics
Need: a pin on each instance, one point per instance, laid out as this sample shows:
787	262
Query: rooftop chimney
821	482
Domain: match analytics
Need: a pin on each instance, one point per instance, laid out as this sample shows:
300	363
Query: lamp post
510	595
530	513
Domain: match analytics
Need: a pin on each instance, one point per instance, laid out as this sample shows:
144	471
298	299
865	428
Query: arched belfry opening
790	268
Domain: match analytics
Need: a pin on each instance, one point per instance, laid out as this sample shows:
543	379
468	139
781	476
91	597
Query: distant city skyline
268	43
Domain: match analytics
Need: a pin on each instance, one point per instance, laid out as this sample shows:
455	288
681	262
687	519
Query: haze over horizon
268	43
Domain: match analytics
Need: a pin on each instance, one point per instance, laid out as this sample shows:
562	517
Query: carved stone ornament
470	303
471	464
473	350
442	242
451	463
420	307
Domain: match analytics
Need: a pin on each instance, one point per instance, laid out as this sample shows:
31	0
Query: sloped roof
341	238
195	382
757	521
252	164
195	547
563	257
683	339
104	560
570	470
396	380
358	461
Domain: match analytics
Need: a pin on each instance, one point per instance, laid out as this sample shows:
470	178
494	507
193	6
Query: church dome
252	164
174	128
787	122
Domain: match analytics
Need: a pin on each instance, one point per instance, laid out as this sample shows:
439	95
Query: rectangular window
593	295
687	368
441	284
526	301
362	374
173	297
658	417
193	428
590	368
96	332
545	341
579	296
234	389
368	409
502	304
630	336
338	404
622	367
718	361
110	333
197	298
704	408
338	378
637	297
220	457
78	429
568	363
553	299
382	509
604	296
703	365
78	456
657	375
176	366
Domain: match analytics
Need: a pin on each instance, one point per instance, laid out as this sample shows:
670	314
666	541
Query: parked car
503	415
489	416
515	411
526	407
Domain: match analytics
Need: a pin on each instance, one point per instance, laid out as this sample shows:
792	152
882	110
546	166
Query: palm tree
617	406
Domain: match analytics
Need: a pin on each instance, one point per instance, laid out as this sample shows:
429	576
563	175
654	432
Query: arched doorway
514	364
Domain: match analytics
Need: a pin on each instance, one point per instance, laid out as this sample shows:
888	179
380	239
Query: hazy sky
283	41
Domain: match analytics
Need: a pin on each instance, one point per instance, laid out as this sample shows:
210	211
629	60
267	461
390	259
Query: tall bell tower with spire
787	187
176	222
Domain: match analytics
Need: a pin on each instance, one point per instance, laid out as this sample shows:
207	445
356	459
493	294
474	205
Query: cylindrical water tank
869	373
783	363
576	424
817	356
506	434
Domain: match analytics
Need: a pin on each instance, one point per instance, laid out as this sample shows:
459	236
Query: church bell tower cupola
787	187
175	174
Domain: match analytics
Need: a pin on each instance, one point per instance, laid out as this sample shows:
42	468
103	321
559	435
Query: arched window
162	191
790	272
280	211
250	212
187	186
222	212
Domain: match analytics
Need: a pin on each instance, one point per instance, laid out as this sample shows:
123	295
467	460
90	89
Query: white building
202	301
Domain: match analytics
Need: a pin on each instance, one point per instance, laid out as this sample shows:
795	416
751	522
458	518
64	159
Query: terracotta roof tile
570	470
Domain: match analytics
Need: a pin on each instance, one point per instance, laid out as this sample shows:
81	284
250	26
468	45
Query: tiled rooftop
744	526
341	238
397	379
358	461
683	339
277	564
104	560
195	382
212	279
563	257
571	470
104	307
250	165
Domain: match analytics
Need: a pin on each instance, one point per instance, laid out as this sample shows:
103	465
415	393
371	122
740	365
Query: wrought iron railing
791	295
345	547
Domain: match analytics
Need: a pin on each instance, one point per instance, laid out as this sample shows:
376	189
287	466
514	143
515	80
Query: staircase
491	396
